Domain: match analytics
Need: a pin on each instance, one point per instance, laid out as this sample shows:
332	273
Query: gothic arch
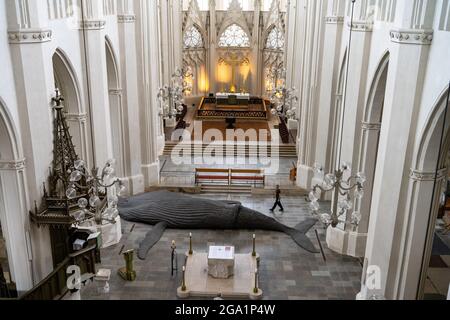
200	31
267	33
115	108
230	24
67	82
370	137
423	197
13	201
9	144
375	100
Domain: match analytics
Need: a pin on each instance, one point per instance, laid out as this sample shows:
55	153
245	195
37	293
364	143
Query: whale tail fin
298	234
152	238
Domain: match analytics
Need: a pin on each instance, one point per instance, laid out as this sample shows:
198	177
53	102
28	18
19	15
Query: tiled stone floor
287	271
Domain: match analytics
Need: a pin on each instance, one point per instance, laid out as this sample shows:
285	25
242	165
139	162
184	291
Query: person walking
277	200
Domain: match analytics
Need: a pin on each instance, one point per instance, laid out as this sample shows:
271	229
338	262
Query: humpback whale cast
165	209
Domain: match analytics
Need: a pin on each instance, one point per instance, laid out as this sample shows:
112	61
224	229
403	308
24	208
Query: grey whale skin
165	209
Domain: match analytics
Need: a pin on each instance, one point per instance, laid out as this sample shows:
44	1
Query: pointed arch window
275	39
193	38
234	36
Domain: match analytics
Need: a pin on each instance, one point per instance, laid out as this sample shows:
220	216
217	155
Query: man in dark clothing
277	200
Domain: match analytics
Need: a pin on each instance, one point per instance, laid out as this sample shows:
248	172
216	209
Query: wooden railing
229	177
54	286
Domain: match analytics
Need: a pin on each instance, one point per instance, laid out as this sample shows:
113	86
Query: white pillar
149	106
29	38
331	68
343	239
15	222
408	60
97	86
212	47
129	60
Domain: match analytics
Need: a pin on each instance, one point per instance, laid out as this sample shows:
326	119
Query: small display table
200	284
221	262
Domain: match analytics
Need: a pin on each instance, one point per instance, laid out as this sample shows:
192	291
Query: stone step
226	189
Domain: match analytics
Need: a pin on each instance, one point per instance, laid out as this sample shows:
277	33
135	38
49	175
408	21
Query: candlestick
174	257
183	285
254	246
256	289
190	244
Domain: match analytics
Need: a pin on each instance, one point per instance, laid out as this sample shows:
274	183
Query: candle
254	246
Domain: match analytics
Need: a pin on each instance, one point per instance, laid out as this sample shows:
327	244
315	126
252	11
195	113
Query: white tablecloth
240	96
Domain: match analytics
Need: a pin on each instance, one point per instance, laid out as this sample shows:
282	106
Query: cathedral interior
225	149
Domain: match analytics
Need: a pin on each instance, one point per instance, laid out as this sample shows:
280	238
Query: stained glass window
193	38
275	40
234	36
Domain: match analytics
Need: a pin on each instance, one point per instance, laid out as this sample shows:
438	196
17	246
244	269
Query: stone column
411	38
253	80
15	222
309	89
331	67
150	77
93	28
129	60
212	47
352	111
29	38
170	13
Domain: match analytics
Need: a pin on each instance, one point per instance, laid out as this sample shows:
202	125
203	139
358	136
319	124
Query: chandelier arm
348	188
108	186
323	189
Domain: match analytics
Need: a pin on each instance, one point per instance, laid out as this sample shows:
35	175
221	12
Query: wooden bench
255	177
212	175
230	176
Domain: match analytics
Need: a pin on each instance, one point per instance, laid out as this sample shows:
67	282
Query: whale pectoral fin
152	238
299	235
303	241
306	225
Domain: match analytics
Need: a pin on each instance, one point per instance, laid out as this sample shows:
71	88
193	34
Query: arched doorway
368	152
66	82
431	269
15	252
115	106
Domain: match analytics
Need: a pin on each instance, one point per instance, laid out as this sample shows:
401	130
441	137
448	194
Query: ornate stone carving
14	165
334	20
29	36
361	26
115	92
92	24
126	18
418	175
417	37
73	117
367	126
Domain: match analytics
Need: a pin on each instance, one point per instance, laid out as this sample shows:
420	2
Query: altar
239	96
242	284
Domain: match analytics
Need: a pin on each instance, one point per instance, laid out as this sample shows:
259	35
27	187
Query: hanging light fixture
283	99
172	97
100	188
341	182
103	189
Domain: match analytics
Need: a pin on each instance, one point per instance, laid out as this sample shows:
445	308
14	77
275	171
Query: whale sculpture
165	209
